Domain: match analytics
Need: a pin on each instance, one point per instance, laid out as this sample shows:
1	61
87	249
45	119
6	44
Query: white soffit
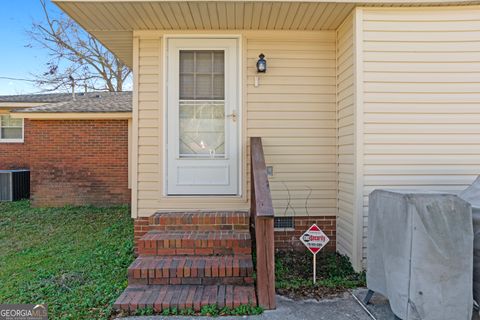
112	22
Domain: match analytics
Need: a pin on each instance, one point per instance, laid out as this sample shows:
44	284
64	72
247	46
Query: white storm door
202	113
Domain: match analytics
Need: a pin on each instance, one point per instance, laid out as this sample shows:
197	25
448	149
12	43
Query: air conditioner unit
14	185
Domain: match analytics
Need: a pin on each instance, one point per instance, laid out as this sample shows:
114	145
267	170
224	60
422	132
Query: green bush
211	310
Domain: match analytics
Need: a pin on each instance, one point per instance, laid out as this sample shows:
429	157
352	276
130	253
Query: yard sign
314	239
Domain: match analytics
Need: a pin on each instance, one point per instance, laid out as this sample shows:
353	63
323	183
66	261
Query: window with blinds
11	129
202	103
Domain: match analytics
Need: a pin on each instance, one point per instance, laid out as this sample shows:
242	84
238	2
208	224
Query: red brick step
208	270
184	297
189	260
200	220
195	243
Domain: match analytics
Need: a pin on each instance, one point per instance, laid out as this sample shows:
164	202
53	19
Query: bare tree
75	54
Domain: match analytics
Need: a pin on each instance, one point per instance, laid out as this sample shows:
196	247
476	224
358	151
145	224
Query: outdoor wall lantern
261	64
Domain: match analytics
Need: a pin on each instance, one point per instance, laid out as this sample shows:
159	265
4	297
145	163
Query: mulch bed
294	272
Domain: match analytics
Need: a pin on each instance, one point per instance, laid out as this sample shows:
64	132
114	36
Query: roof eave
14	105
73	115
113	22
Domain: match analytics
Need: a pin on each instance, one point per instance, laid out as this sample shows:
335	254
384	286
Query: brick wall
73	162
289	238
286	239
79	162
15	155
140	227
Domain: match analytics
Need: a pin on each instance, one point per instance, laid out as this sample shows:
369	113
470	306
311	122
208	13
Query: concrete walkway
342	308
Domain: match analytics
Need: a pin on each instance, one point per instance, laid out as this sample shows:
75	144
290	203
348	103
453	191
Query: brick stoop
237	269
191	259
195	242
200	220
184	297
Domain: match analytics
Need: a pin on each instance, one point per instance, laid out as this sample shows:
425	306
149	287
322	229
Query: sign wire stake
314	268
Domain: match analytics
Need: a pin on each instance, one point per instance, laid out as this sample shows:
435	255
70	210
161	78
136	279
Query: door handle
232	115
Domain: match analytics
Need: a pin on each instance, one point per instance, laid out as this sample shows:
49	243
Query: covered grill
420	253
472	195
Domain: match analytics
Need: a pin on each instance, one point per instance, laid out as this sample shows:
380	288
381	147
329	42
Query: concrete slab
380	308
345	308
342	308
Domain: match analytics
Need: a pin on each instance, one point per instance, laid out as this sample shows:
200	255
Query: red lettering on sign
314	239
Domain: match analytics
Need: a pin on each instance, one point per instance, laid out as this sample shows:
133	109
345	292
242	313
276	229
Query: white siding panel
149	173
293	110
345	139
421	93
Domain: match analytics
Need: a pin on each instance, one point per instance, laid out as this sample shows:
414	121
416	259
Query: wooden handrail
262	215
260	185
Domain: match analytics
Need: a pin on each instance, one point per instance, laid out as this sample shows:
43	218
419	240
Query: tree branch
75	53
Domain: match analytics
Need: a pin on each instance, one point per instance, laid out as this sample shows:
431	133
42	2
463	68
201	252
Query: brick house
346	96
76	150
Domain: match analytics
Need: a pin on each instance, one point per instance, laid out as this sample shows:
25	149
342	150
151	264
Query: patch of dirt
310	292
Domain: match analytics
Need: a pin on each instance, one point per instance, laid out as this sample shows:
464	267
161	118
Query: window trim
22	140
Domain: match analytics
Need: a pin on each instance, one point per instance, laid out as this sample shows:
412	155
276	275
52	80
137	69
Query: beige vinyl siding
346	138
149	123
421	99
293	110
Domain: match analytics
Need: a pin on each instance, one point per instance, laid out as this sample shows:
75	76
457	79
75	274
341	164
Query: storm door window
202	104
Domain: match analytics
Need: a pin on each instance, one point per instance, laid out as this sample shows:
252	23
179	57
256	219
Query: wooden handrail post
265	262
262	214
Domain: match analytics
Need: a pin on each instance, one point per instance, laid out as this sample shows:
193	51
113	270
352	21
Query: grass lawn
74	259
